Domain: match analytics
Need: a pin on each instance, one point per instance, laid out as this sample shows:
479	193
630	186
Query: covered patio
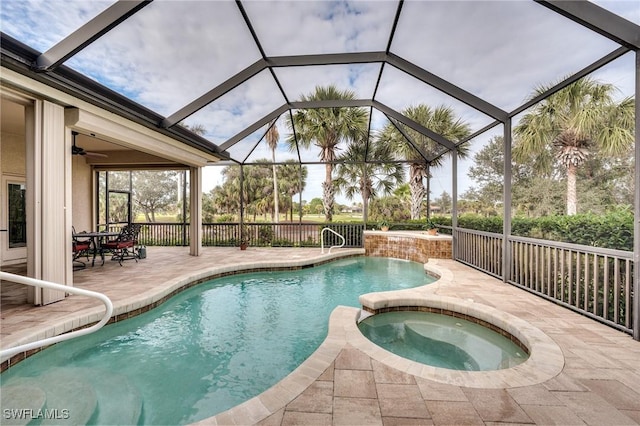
599	382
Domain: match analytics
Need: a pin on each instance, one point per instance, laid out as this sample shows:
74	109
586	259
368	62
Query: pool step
72	396
444	345
119	401
21	401
68	399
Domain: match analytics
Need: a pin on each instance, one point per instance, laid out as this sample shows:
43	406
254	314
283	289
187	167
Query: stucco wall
13	148
81	194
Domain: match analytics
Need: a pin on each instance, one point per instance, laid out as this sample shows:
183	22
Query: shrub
611	230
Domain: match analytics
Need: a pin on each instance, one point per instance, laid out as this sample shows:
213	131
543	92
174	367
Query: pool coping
546	359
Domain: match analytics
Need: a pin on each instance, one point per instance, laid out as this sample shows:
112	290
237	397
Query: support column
299	205
454	201
428	191
242	236
49	199
506	199
636	226
33	137
195	201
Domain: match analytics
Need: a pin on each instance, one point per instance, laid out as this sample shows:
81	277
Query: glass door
119	209
13	234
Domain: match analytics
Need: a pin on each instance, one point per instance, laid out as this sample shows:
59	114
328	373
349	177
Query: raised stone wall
407	245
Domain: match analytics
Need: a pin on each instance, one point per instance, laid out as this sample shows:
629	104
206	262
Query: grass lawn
340	217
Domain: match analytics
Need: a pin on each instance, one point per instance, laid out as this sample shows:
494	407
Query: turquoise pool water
442	341
213	346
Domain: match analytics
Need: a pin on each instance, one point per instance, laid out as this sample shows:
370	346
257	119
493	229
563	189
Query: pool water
215	345
442	341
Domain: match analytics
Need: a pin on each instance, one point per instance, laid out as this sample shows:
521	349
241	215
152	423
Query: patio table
97	239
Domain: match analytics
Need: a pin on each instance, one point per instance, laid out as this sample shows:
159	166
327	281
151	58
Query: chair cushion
117	244
79	246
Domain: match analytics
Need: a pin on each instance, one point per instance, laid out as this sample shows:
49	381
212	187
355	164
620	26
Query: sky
171	52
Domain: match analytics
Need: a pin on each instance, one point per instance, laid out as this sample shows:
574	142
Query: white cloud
497	50
41	23
311	27
171	52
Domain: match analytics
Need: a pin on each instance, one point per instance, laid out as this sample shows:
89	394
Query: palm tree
272	138
368	179
571	124
440	120
326	128
257	188
293	179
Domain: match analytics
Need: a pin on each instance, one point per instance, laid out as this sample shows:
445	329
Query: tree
444	202
326	128
154	191
258	188
293	179
487	173
355	176
571	125
315	206
425	154
272	138
389	208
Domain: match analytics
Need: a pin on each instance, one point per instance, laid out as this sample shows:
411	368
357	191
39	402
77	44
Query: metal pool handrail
322	239
6	353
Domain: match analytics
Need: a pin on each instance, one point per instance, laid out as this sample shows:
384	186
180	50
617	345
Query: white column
49	173
195	226
33	138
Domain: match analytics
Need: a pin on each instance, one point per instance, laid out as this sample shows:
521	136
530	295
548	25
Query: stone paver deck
346	383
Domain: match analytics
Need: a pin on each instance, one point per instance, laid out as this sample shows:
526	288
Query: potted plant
431	227
384	225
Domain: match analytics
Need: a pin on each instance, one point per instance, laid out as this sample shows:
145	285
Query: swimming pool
213	346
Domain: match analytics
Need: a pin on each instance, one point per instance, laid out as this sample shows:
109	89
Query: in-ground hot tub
545	359
443	341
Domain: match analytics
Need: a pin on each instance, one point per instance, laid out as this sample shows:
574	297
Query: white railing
6	353
322	239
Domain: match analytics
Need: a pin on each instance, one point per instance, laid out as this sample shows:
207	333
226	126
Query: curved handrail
6	353
322	239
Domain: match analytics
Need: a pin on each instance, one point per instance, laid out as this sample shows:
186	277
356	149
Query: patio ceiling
234	67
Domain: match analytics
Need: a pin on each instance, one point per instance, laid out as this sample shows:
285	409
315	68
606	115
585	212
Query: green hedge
612	230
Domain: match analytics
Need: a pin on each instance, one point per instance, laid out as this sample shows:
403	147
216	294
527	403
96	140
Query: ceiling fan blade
95	154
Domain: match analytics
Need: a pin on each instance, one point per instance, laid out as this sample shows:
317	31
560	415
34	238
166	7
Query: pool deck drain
599	382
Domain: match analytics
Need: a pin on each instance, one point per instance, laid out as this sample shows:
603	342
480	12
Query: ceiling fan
76	150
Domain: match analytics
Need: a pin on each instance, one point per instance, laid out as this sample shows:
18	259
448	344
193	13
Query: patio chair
123	247
81	248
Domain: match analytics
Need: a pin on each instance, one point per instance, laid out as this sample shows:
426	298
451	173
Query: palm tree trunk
328	193
572	199
417	193
276	207
365	205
